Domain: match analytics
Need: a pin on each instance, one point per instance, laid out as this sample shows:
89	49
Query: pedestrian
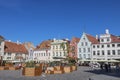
106	67
117	67
101	66
109	67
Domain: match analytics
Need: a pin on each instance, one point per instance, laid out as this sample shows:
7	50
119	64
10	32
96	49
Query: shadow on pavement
112	72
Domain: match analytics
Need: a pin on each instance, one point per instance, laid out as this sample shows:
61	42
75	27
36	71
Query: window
118	52
98	52
80	56
56	53
5	53
97	46
9	54
79	49
118	45
113	45
53	54
44	54
93	46
82	44
102	40
73	48
84	50
108	45
88	55
60	54
86	43
103	53
102	46
8	57
94	53
108	39
108	52
84	56
113	52
88	49
64	53
56	47
84	38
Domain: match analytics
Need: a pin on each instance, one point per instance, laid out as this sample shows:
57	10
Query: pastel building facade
42	52
59	49
85	47
107	49
14	52
73	48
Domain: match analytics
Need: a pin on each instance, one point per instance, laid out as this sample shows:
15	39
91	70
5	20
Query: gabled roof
114	39
14	47
92	39
29	45
75	39
44	45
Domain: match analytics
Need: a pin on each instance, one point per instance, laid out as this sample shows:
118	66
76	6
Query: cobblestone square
83	73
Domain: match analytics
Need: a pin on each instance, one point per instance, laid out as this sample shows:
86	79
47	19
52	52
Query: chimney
18	42
9	40
107	31
54	39
96	36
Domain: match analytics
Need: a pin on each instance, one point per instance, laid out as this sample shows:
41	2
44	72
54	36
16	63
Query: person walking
106	67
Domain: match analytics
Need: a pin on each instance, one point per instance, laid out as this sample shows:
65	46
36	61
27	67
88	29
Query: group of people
107	67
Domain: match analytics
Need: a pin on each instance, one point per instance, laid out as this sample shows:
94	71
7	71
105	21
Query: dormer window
84	38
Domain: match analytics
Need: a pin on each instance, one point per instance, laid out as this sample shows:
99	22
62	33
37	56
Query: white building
59	49
85	47
43	52
14	52
108	48
1	48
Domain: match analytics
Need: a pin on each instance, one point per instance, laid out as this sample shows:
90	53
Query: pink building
73	47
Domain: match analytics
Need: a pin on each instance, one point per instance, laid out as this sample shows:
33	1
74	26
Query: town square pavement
82	73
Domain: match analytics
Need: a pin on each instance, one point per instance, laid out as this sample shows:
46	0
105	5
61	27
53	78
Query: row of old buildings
105	47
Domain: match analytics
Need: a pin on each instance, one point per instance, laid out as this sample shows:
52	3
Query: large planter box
9	64
67	69
13	68
74	68
50	68
49	72
59	72
58	68
35	71
3	68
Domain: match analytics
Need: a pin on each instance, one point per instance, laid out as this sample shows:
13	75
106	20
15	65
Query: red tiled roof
75	39
92	39
14	47
44	45
115	39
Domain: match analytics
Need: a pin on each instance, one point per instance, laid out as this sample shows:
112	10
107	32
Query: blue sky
38	20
